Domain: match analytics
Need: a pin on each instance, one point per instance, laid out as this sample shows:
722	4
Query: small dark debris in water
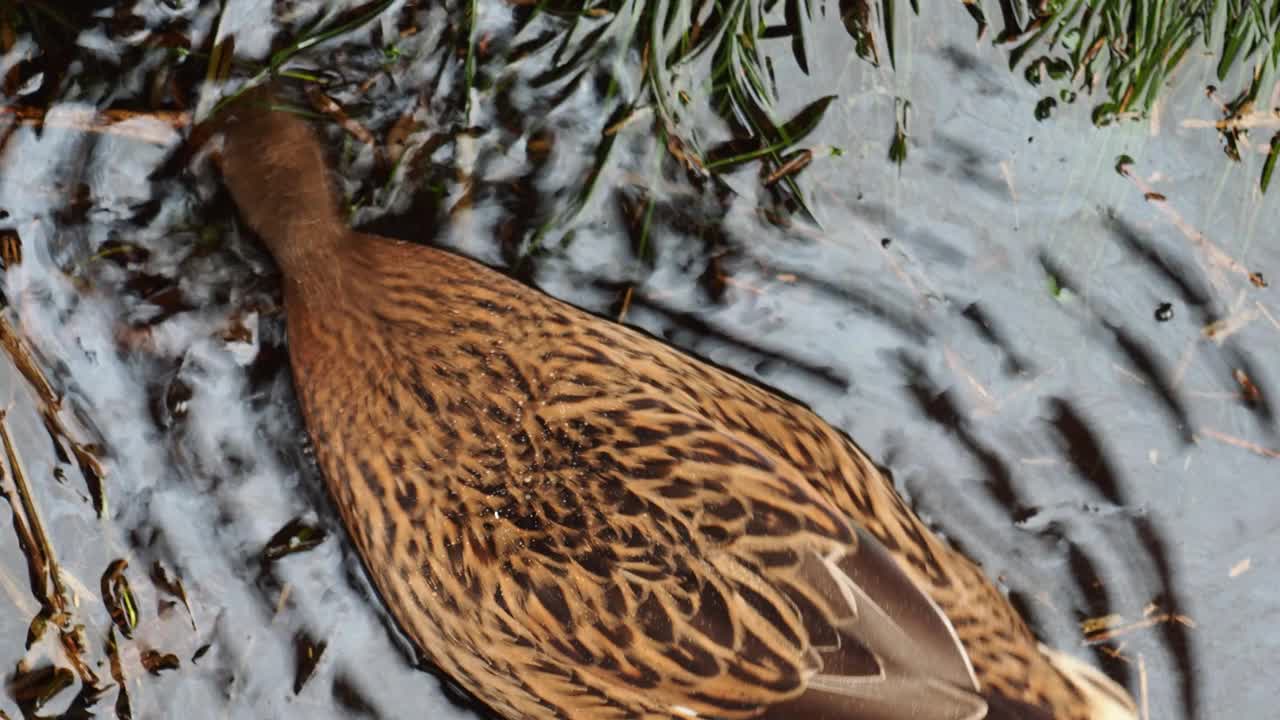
1269	166
539	146
237	331
295	537
1044	108
271	359
1055	285
1250	378
156	662
1104	114
84	705
793	165
885	242
775	218
52	427
162	292
1030	139
79	200
171	407
307	654
1020	516
1123	163
200	652
10	249
38	625
1257	279
1055	68
122	253
856	15
118	597
898	146
172	586
124	710
1252	396
619	309
329	107
1164	312
1155	196
34	688
87	459
74	641
691	162
399	134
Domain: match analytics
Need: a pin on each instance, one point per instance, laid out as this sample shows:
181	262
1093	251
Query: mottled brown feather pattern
572	519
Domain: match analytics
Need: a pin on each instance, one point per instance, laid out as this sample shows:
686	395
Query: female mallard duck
574	520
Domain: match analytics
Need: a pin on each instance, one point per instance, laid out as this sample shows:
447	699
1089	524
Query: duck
570	518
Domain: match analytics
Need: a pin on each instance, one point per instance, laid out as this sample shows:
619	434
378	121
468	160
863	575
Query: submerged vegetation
704	71
1118	53
1122	52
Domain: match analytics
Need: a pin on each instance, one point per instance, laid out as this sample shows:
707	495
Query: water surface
1068	370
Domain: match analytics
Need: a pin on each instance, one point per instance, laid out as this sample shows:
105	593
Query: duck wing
874	645
588	523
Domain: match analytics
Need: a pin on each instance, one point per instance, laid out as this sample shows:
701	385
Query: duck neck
274	165
311	254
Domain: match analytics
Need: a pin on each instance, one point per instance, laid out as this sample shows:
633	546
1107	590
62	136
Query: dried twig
1214	255
31	534
1112	633
1240	443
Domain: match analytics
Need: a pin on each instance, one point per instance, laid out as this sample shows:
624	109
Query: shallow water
982	319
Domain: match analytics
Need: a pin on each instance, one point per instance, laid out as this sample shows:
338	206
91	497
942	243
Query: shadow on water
1063	366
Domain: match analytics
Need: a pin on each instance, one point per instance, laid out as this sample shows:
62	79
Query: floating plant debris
1252	395
156	662
118	597
295	537
172	586
123	706
1269	166
200	652
1044	109
34	688
10	249
42	564
306	656
898	144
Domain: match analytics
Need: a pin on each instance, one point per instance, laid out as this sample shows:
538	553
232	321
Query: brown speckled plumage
574	520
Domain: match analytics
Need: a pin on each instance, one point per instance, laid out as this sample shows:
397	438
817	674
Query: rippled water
983	319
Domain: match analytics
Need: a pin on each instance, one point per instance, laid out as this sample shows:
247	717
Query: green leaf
1270	165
